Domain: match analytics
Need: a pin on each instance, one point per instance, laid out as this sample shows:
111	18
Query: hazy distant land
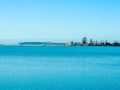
84	42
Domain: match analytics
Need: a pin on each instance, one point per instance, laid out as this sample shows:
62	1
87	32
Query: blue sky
59	20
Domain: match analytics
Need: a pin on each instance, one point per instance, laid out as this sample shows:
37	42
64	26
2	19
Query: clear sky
59	20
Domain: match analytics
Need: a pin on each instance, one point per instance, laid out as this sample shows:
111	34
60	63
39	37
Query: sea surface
59	68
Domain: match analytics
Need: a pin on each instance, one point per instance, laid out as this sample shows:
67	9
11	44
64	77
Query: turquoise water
59	68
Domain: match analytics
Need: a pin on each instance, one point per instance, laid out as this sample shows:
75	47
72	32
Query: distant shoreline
83	42
54	45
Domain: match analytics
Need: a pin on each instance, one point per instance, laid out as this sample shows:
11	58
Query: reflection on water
59	68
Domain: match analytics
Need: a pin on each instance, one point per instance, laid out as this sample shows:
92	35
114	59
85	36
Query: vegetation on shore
84	42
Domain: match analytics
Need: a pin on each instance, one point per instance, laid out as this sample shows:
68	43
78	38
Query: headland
83	42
